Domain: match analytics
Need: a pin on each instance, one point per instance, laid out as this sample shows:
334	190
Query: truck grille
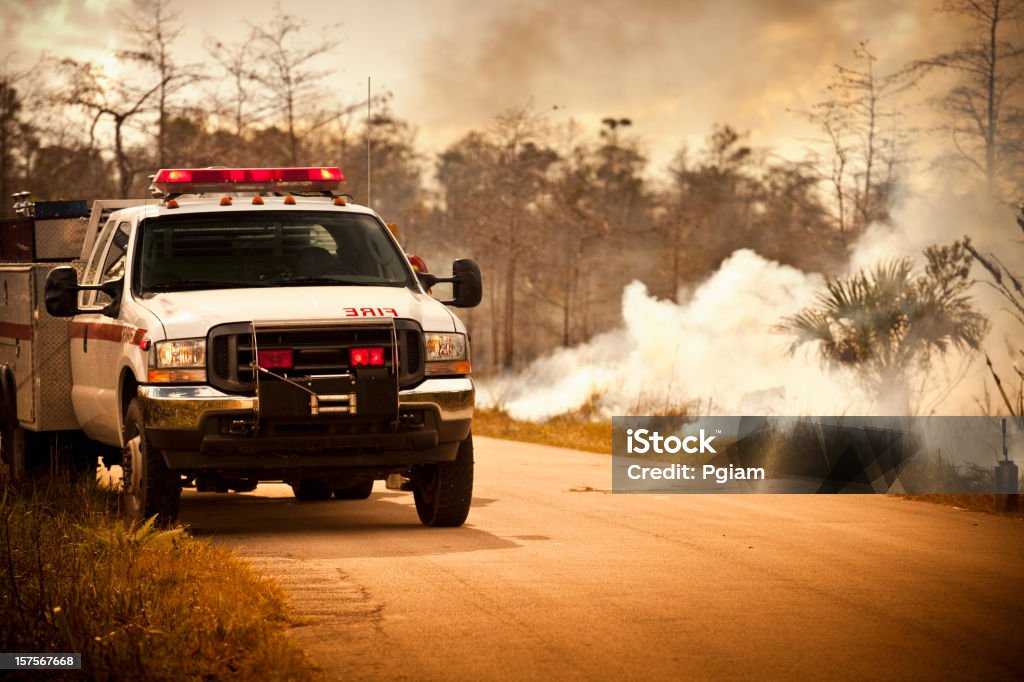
318	351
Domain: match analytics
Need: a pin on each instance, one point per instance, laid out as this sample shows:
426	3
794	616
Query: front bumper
188	424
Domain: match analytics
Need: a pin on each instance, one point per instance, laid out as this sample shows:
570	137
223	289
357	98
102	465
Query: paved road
554	578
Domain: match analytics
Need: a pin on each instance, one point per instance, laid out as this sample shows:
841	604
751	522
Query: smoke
718	352
674	68
718	346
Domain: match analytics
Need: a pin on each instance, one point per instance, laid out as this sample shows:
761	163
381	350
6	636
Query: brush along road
553	578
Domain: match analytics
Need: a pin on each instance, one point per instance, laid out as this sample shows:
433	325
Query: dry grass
565	431
991	504
137	602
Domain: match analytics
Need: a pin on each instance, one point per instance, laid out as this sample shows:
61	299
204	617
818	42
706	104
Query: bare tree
575	209
11	129
236	61
987	117
831	121
522	164
288	73
494	186
88	87
860	124
152	28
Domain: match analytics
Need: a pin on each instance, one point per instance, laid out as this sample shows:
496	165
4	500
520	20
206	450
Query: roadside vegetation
571	430
137	602
990	504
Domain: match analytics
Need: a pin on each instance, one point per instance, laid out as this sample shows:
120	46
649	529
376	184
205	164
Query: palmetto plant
1011	287
889	322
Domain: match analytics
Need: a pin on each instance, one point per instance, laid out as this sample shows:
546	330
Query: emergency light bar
198	180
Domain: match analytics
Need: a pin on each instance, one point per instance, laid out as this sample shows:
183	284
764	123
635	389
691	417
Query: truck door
97	340
16	334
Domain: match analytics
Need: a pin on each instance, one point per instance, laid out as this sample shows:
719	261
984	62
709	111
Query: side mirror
61	293
467	284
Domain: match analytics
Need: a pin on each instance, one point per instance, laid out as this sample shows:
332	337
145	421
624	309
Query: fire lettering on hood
370	312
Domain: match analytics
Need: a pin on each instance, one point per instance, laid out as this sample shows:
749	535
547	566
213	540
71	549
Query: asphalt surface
553	577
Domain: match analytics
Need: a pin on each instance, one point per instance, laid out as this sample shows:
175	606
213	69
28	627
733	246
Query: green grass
137	602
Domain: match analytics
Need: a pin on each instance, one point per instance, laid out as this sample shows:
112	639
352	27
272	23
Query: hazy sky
675	68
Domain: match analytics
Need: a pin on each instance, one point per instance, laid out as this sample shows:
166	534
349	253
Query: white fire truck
245	325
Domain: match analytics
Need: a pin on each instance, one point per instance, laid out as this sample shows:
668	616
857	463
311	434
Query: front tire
148	486
445	494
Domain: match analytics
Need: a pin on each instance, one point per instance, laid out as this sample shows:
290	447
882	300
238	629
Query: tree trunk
291	133
123	170
161	161
990	130
869	153
508	360
570	283
676	260
495	327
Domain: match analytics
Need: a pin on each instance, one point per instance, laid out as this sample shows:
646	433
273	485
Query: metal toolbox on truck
35	345
53	232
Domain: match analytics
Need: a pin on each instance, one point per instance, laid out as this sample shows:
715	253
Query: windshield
238	250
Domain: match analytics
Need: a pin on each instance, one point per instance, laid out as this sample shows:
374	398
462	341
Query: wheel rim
428	488
131	473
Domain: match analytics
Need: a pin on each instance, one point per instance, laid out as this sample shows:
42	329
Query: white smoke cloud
717	352
717	347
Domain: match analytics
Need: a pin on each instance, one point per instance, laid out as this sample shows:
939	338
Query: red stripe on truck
14	330
107	331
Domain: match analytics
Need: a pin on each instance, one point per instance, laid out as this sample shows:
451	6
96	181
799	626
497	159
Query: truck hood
191	314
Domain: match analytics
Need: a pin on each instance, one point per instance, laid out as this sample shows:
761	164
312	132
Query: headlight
446	347
446	354
182	353
180	361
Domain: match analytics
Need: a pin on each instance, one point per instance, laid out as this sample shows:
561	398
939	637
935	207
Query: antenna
369	128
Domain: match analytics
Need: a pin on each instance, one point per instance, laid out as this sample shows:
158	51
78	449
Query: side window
85	298
113	261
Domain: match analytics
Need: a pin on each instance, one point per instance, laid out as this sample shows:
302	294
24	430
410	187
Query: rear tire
12	453
311	490
360	490
12	436
445	494
148	486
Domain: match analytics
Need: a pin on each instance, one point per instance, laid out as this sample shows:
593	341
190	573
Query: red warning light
366	357
198	180
276	359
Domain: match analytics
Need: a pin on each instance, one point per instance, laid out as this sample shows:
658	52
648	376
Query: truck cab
254	325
